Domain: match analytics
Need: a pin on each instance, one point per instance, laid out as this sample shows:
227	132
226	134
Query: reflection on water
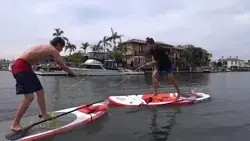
162	121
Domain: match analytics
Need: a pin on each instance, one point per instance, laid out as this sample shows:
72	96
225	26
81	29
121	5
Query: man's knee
29	97
155	74
39	92
170	76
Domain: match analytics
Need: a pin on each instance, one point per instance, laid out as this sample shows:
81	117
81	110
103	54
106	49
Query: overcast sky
221	27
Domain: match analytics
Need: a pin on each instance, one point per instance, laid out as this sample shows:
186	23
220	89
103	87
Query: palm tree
58	33
124	48
97	47
85	46
114	37
71	47
105	42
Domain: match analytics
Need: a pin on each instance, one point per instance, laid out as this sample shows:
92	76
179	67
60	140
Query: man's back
160	55
37	54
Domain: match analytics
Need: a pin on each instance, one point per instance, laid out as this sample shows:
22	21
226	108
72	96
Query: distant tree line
194	56
110	44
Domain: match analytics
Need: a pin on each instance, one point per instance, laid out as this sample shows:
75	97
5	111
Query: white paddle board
66	122
149	99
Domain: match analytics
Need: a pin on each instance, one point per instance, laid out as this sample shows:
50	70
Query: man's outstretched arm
60	62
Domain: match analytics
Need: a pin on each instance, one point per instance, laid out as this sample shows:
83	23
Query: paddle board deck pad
160	99
65	122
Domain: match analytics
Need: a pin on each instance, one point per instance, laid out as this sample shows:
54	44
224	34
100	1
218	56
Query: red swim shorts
27	81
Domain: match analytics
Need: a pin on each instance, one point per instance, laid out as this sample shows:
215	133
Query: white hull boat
95	68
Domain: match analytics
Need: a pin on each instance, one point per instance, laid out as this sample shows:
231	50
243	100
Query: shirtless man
28	83
162	63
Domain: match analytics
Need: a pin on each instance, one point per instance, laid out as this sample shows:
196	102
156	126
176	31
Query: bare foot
178	97
47	116
15	127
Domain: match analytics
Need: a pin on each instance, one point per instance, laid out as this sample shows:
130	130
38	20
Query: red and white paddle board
66	122
160	99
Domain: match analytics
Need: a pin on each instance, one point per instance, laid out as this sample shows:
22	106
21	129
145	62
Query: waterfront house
232	63
179	58
137	53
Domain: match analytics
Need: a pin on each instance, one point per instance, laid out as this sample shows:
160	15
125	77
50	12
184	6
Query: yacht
95	68
9	66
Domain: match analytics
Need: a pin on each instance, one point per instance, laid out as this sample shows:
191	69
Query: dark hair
150	40
57	40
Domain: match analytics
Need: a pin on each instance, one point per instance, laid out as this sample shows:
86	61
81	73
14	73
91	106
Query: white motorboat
9	66
95	68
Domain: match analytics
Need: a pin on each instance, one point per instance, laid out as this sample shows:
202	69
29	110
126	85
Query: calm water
225	117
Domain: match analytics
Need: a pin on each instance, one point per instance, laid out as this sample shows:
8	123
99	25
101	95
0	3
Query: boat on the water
93	67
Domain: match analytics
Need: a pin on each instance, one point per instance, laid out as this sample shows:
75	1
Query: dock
55	73
62	73
150	72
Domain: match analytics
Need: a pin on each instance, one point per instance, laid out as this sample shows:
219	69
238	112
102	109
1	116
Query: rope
117	83
132	74
78	81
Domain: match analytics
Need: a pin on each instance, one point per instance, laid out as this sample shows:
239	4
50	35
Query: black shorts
27	81
164	68
168	70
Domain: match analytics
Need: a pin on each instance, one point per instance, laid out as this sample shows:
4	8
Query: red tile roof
144	42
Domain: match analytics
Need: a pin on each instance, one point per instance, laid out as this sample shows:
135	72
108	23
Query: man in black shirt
162	63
